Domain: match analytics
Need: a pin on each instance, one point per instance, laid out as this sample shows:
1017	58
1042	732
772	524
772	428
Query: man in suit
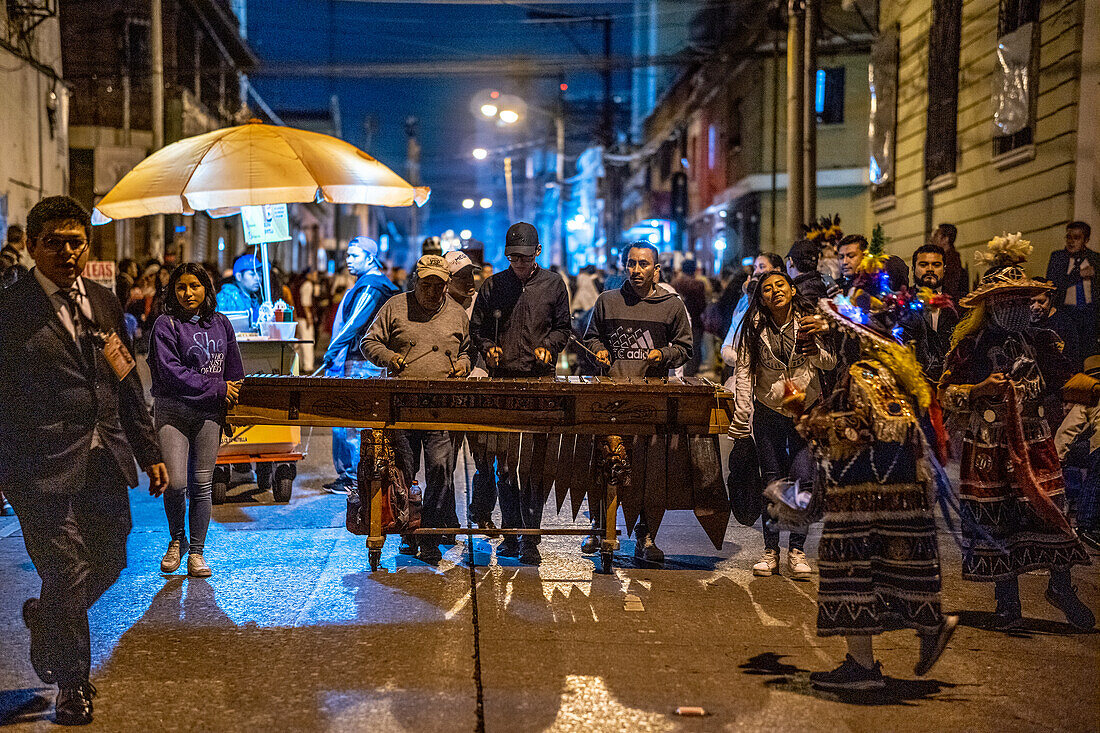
72	418
1073	270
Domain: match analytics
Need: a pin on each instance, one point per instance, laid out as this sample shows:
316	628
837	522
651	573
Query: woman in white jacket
780	352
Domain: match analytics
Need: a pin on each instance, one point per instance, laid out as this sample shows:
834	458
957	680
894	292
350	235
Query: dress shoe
32	619
197	567
74	704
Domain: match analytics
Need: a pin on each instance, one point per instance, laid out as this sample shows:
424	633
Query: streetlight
508	116
489	110
465	234
486	203
467	203
480	153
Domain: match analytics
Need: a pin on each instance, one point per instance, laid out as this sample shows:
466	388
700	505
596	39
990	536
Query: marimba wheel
220	485
375	558
607	559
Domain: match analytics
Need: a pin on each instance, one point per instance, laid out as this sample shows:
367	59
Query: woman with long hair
196	372
780	351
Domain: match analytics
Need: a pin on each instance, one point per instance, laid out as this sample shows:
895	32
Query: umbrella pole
265	274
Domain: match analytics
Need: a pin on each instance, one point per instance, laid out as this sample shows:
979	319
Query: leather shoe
74	704
33	621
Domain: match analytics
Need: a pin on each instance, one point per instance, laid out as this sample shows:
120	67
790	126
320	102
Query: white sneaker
769	561
170	563
797	565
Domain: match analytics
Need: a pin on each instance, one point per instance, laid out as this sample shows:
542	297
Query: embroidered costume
878	557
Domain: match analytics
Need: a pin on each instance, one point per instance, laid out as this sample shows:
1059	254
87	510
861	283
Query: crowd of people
843	360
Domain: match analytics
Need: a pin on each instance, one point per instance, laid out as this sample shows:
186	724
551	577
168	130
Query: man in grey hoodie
639	330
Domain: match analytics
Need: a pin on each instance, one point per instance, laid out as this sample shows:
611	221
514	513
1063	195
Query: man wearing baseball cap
462	289
520	324
343	359
242	293
424	334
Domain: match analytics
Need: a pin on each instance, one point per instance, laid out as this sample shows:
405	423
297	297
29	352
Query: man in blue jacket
343	359
242	293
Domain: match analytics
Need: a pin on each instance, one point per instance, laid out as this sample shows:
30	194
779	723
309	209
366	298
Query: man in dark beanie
520	324
802	267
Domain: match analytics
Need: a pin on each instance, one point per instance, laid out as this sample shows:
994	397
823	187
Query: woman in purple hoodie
196	371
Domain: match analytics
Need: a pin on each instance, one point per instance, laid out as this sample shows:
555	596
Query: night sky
338	31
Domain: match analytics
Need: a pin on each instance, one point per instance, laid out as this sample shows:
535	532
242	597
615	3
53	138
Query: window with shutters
941	133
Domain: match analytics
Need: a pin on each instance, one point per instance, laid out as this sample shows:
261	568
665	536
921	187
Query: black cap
521	239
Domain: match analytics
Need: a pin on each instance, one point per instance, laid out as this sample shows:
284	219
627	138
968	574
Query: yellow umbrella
251	165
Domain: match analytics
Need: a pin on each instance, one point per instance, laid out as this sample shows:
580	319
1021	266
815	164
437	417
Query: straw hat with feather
1004	256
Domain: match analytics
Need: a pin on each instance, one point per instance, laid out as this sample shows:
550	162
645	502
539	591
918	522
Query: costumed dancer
878	560
995	379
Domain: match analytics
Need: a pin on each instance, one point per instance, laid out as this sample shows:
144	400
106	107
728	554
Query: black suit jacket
1056	273
52	400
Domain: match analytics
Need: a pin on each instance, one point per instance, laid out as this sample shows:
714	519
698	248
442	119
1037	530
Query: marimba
592	415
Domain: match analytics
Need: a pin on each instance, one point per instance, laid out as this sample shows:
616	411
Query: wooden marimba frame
601	409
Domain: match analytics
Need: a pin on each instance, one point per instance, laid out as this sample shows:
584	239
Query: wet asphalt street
294	633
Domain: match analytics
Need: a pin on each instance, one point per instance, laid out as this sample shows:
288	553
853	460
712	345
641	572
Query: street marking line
9	529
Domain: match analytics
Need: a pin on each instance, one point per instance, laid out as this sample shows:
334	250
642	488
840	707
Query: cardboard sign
101	272
267	223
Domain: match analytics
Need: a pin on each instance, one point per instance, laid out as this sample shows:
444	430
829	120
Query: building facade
106	47
710	177
34	147
1023	159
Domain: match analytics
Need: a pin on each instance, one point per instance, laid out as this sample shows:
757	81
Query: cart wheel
283	484
263	476
607	558
375	557
220	486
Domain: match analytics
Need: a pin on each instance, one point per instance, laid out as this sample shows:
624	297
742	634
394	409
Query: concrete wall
34	158
1034	196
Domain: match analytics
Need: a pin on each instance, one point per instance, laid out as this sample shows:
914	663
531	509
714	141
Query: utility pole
412	163
809	113
508	189
607	137
560	256
796	99
156	48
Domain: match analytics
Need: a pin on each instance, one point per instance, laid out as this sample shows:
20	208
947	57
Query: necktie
72	299
1080	287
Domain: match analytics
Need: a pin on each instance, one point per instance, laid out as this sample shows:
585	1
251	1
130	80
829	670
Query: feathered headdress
1004	257
825	230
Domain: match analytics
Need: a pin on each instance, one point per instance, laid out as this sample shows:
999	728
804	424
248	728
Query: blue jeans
778	444
483	492
189	441
439	494
345	441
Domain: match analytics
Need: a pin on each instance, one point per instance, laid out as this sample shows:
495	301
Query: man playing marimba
520	324
424	334
638	330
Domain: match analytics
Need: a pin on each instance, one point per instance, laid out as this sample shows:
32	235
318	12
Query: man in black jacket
934	324
1075	271
520	324
72	417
